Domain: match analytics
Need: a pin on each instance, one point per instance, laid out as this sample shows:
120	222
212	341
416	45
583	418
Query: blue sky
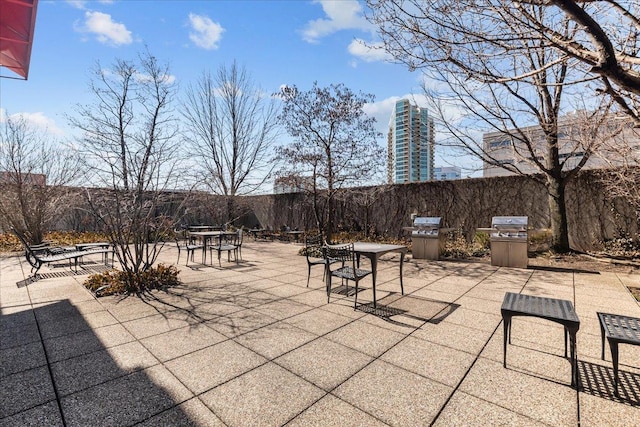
279	42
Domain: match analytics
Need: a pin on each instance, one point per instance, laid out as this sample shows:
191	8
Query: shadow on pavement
56	370
597	380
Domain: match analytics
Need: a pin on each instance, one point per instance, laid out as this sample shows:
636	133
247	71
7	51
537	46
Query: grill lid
516	223
427	221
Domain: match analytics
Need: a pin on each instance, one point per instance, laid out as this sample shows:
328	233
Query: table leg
327	279
575	378
401	262
613	345
506	324
374	269
602	339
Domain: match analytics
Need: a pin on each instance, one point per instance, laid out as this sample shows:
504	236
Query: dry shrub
625	247
123	283
457	247
10	243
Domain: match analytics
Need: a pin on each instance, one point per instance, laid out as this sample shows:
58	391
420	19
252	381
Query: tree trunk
230	209
558	215
329	216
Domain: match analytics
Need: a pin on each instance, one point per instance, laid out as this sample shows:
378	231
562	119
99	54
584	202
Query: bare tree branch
34	174
231	128
334	144
130	142
515	69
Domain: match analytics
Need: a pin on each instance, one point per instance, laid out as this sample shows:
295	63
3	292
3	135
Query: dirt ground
585	262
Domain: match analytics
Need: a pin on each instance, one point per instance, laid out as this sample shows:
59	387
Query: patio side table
556	310
618	329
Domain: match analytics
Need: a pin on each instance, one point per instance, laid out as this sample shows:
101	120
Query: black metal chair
344	254
227	242
186	245
313	250
239	243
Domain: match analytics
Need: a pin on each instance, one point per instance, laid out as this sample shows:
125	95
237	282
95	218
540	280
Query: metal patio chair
227	242
345	254
187	245
313	250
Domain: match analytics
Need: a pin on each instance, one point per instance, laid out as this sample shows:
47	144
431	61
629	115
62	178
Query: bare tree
129	138
364	200
603	36
622	179
485	71
34	173
231	127
606	40
334	144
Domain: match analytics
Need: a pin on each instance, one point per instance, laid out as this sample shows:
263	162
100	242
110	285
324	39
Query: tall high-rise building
410	144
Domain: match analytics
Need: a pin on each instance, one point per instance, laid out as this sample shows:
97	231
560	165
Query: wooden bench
618	329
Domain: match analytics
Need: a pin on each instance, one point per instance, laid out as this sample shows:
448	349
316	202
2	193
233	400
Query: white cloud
80	4
144	78
368	52
381	110
37	120
106	30
205	33
341	15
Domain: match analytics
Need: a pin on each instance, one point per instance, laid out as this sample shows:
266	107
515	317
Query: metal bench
556	310
39	255
618	329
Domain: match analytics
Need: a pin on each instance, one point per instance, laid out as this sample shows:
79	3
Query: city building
574	132
411	144
443	173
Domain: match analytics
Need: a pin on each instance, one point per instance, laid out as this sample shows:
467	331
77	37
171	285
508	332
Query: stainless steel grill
427	237
509	241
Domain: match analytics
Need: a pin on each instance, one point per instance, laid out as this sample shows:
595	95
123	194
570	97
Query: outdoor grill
509	241
427	237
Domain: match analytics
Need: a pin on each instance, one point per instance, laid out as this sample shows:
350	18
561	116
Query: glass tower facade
410	144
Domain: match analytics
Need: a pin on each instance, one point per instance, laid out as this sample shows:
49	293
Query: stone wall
463	204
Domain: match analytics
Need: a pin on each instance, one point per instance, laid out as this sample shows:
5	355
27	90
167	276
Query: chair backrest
342	252
22	239
35	249
313	246
240	234
229	238
179	234
31	252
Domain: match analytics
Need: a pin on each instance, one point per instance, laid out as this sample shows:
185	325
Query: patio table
261	233
295	234
556	310
205	236
94	245
618	329
374	251
195	228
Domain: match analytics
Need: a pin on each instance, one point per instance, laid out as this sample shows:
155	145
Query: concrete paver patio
251	345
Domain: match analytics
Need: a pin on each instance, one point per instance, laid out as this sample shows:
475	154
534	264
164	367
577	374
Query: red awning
17	23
